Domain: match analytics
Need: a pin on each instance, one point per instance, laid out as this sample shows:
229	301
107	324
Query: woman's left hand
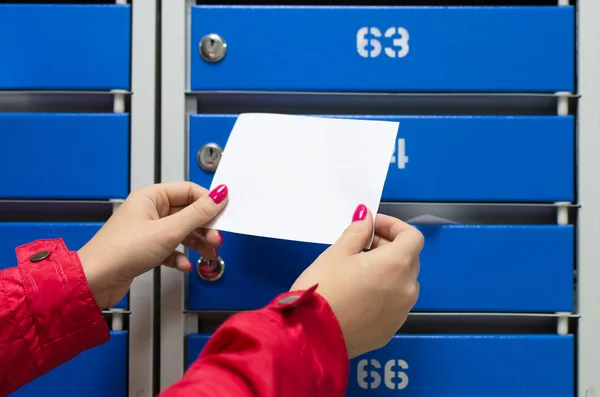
145	232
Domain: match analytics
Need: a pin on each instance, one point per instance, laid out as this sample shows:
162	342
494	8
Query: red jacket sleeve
48	314
292	348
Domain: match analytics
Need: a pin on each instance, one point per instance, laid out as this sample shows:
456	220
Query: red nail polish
218	194
360	213
220	238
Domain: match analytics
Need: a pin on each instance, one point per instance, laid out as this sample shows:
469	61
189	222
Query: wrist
93	277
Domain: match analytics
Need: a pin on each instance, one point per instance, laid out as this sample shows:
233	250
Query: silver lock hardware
212	48
209	157
210	269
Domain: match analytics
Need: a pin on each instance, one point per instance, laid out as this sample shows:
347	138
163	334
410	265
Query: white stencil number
370	47
394	377
399	157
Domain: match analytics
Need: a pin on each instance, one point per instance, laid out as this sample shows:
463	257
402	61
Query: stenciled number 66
393	376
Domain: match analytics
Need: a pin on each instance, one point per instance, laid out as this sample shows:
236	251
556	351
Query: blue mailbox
382	49
65	47
64	156
486	268
454	158
99	372
458	366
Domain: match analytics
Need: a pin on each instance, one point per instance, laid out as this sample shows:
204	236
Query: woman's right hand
370	293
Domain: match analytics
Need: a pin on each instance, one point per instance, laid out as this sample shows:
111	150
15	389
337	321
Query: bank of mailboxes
527	159
65	49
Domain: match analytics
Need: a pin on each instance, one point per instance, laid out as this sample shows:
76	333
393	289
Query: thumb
198	213
358	234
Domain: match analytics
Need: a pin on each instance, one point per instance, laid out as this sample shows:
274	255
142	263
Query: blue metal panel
75	236
64	156
64	47
458	366
450	49
463	268
98	372
486	159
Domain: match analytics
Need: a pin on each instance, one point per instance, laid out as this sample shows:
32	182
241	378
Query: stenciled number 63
399	47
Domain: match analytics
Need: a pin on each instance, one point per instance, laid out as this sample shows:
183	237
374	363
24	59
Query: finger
358	233
197	214
416	267
166	196
378	241
181	193
209	237
212	237
389	227
199	245
407	244
178	261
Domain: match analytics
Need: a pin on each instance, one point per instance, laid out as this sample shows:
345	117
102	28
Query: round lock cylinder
210	269
212	48
209	157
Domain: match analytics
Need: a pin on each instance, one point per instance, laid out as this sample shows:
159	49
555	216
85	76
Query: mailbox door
65	47
487	268
383	49
99	372
458	366
64	156
454	159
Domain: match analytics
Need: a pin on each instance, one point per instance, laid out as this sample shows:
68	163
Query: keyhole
209	156
212	47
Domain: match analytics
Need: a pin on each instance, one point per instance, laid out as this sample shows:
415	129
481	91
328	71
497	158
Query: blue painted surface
458	366
64	156
75	235
463	268
99	372
65	47
450	49
480	159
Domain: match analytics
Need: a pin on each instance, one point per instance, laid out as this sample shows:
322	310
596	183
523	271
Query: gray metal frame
142	166
589	198
174	83
175	324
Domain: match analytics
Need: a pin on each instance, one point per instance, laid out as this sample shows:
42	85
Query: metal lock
210	269
212	48
209	157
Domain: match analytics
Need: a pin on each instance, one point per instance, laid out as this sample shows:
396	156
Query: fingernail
218	194
220	238
360	213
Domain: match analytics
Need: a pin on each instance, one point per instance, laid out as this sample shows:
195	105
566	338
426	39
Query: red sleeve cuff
320	332
63	317
292	347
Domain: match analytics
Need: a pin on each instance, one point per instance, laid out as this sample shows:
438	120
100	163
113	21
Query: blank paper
301	177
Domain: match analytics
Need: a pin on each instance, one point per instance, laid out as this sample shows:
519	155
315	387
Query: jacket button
289	299
39	256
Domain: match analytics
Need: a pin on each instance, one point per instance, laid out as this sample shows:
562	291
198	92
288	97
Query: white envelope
301	177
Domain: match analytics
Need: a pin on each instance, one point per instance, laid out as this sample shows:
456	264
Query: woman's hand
370	293
144	233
